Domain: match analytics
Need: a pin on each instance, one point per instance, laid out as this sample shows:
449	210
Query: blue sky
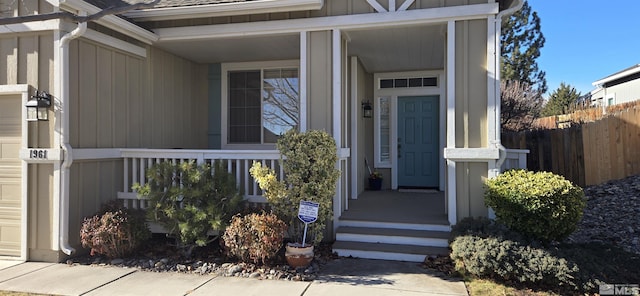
587	40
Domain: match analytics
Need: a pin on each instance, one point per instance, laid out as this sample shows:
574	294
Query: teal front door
418	145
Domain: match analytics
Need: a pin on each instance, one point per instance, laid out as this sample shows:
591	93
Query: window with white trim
262	104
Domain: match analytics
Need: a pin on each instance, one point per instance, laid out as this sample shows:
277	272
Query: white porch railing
237	162
516	159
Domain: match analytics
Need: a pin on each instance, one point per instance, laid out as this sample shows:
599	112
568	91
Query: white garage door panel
10	176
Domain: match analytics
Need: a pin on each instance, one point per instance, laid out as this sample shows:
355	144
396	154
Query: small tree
189	200
310	174
520	105
562	101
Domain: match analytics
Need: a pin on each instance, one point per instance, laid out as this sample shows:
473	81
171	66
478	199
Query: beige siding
119	100
365	125
470	179
471	113
10	8
319	75
28	59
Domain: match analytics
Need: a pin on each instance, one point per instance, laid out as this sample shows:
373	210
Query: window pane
244	107
237	80
263	104
385	135
386	83
415	82
430	81
400	83
237	98
281	110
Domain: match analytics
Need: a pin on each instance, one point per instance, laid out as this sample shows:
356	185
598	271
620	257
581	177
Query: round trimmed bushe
542	205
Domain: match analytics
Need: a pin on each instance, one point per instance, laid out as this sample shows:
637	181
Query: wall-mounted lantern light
367	109
38	106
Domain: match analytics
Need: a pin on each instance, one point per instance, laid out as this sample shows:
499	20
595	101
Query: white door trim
393	94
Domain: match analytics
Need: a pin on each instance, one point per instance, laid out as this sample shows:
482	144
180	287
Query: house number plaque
38	154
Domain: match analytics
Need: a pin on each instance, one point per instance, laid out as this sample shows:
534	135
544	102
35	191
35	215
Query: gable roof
618	75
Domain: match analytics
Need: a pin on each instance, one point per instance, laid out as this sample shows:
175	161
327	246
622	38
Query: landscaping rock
612	214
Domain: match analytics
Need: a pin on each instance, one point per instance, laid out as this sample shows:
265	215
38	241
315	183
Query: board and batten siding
27	58
120	100
471	114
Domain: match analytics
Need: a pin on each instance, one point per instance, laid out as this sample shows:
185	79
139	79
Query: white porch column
336	112
451	121
303	80
336	86
493	96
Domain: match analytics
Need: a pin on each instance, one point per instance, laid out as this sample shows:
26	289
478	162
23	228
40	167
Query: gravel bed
160	256
612	215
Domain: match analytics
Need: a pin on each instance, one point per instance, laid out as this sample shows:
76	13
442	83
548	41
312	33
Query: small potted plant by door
375	181
311	175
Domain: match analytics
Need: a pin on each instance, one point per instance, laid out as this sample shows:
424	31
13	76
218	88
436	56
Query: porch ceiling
381	49
399	48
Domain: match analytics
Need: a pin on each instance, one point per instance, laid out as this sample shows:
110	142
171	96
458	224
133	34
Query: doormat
418	190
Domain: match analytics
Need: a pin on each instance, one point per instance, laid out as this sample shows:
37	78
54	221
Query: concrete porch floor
398	207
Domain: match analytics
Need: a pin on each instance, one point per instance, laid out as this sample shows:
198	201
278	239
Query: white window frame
610	98
393	94
224	104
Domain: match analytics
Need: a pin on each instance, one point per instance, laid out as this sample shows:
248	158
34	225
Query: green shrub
488	250
311	175
254	237
542	205
114	232
189	200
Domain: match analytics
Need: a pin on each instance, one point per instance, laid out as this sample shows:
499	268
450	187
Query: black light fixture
38	106
367	109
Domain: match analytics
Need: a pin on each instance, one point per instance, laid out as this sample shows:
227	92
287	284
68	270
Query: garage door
10	175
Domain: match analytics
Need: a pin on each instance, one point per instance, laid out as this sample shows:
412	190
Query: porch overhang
223	9
343	22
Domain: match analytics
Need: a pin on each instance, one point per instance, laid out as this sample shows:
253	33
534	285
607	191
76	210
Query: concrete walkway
343	276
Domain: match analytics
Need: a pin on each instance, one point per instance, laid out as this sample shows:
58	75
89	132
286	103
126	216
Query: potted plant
311	175
375	180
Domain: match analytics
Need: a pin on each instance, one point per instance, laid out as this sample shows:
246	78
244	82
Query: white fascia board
112	22
631	71
115	43
223	9
37	26
343	22
471	154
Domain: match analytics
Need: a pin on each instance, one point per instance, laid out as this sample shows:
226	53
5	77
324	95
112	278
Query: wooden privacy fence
586	153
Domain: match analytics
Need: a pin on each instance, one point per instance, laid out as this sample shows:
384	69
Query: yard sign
307	213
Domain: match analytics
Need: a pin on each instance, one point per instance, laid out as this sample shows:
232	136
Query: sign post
307	213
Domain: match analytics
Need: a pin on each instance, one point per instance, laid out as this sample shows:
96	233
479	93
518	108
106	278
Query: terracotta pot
297	256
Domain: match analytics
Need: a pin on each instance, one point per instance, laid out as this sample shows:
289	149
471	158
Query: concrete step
393	236
396	252
394	225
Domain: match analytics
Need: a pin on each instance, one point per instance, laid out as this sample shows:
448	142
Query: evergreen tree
562	101
521	41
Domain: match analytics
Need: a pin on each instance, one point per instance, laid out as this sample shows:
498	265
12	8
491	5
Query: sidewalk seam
109	282
21	275
198	287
